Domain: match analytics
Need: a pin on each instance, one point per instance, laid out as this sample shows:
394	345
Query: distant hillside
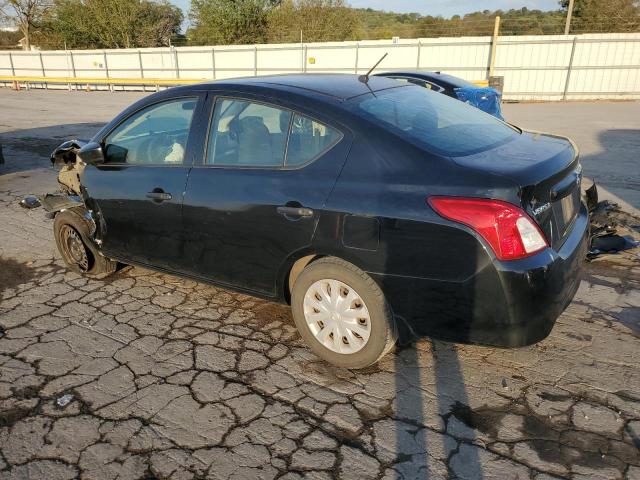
375	24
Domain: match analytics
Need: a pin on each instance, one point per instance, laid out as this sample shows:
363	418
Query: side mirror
91	153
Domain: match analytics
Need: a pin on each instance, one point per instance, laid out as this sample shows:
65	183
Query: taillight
508	229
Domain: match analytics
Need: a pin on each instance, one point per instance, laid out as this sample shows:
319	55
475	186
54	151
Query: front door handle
159	196
295	211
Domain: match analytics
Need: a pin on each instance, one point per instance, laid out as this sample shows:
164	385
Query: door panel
137	193
139	228
238	232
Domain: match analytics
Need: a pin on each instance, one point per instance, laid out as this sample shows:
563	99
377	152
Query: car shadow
29	149
421	451
615	166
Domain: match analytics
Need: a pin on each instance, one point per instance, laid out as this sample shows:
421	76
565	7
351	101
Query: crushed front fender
55	202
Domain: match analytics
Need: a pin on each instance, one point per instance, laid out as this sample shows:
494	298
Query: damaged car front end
76	230
71	167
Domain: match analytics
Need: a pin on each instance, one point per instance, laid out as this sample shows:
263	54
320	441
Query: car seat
254	141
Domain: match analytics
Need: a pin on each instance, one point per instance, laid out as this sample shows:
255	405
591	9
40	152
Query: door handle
161	196
295	211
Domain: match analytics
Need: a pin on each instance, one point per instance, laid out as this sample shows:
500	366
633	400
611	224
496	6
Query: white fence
552	67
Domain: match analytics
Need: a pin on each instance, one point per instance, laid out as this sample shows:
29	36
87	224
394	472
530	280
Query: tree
229	21
604	15
9	39
27	15
318	20
112	23
157	23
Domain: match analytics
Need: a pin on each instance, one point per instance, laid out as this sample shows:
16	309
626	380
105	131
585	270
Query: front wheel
342	314
76	248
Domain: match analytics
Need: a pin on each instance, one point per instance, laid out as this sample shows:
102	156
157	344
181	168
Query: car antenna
365	78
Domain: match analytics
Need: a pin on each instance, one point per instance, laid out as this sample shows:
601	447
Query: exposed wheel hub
74	247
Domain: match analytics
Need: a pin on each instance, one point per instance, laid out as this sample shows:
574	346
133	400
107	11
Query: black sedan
369	206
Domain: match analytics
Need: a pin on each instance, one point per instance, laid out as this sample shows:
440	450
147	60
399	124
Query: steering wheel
155	148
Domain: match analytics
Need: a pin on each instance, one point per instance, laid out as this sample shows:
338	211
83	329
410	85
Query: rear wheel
342	314
78	251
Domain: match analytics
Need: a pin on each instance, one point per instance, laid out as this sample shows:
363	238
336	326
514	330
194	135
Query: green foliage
604	16
9	39
377	24
317	20
26	14
588	16
111	24
229	21
150	23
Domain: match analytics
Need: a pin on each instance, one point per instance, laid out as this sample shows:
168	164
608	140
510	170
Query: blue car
486	99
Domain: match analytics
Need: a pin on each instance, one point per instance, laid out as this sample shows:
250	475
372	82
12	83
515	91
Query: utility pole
567	25
494	45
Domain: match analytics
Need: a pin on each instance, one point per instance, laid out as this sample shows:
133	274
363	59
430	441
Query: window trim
283	166
321	152
197	96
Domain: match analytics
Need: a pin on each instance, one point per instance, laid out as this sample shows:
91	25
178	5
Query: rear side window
250	134
156	135
308	140
247	134
434	121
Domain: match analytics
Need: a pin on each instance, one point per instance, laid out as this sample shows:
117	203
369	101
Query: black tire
78	251
383	333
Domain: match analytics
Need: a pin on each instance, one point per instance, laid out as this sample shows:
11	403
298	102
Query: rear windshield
455	82
434	121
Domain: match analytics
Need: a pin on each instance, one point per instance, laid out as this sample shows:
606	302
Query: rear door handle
159	196
295	211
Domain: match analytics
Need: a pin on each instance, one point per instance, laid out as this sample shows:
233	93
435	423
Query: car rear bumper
507	304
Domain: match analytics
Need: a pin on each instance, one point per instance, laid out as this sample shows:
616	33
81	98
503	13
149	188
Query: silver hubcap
337	316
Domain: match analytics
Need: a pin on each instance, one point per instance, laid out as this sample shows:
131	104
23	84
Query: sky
446	8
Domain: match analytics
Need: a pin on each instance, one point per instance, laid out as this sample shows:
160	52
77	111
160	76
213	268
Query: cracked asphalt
146	375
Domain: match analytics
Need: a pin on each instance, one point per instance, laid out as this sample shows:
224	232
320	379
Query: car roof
436	77
340	87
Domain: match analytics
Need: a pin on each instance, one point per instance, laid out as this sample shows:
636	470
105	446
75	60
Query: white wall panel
534	67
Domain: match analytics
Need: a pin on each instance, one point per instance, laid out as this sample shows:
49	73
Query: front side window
247	134
156	135
436	122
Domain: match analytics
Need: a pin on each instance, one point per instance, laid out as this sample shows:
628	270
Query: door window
308	140
155	135
256	135
247	134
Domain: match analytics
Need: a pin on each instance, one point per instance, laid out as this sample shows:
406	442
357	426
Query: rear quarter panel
389	180
431	270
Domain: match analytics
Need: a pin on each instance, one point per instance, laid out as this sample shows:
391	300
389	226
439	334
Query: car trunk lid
548	174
